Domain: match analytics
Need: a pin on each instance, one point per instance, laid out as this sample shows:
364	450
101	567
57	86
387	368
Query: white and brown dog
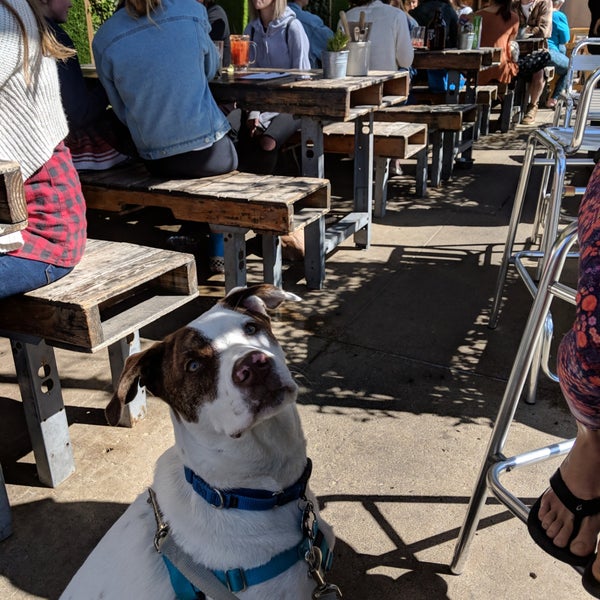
233	490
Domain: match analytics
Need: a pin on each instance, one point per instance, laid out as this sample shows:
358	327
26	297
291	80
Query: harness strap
249	499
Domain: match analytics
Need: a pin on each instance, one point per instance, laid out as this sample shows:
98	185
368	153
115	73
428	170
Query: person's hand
254	127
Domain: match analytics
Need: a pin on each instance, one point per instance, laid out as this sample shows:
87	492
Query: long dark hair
504	9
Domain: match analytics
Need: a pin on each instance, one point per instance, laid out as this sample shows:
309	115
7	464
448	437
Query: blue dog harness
238	579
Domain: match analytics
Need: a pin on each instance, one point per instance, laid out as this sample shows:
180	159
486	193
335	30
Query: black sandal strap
580	508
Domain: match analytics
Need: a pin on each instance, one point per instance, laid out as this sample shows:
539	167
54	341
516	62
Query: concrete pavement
401	380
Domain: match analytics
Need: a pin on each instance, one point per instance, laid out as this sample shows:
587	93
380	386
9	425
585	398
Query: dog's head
225	367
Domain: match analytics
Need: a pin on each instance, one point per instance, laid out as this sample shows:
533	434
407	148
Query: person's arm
404	48
563	30
298	46
543	28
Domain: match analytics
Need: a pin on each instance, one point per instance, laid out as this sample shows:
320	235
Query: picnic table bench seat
116	289
390	140
450	129
233	204
485	96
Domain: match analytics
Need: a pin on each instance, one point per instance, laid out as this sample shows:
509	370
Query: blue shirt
561	33
156	72
317	32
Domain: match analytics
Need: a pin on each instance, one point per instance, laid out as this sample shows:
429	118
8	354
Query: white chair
560	146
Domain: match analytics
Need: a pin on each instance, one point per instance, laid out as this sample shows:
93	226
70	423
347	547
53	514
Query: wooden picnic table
468	63
318	101
531	44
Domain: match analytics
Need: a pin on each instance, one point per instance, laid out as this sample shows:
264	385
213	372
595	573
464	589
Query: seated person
561	34
165	101
32	129
317	32
391	47
281	44
97	139
499	27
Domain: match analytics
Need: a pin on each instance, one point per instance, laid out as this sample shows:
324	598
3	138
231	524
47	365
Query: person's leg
281	128
579	376
560	62
18	275
536	87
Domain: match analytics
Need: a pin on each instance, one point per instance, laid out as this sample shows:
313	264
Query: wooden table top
529	45
306	93
454	59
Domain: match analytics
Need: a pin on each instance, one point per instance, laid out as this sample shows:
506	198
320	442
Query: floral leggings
579	350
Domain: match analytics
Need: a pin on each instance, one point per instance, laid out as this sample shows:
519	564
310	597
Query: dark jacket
425	12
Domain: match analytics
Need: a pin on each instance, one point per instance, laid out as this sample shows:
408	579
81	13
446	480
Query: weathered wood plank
111	279
13	207
437	116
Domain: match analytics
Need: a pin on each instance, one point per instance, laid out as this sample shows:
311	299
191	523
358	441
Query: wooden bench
485	96
232	204
450	131
390	140
116	289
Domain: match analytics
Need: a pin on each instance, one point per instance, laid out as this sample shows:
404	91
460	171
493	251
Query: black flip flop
579	508
590	584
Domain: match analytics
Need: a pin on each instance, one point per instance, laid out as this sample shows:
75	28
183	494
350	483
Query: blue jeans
560	62
19	275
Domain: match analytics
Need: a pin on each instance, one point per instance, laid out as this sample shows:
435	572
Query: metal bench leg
235	256
363	176
41	393
436	158
449	144
421	175
272	266
506	112
486	109
314	257
118	353
515	218
5	517
382	172
512	393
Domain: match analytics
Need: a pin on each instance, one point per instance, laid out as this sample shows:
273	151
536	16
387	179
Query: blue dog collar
249	499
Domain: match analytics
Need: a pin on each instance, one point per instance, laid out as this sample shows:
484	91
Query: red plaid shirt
56	232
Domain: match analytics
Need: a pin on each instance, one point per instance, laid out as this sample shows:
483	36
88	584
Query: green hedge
236	11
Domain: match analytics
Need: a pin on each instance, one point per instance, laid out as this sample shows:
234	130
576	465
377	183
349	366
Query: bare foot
580	473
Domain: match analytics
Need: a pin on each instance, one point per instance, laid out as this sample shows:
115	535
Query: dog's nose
251	369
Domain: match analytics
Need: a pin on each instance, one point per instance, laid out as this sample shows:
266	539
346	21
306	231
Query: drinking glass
219	45
417	37
243	52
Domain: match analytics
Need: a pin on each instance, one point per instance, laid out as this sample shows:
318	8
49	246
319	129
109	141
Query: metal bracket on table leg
313	153
314	257
363	176
234	252
41	393
118	353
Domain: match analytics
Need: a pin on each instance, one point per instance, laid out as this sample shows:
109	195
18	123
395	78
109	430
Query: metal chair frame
495	463
578	63
560	145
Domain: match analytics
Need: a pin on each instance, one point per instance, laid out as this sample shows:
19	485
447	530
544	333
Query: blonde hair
280	6
49	45
141	8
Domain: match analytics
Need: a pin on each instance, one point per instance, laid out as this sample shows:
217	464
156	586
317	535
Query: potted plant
335	58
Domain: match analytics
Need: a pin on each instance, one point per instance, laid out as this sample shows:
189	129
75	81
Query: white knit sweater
32	120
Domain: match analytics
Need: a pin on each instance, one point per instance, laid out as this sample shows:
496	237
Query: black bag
533	62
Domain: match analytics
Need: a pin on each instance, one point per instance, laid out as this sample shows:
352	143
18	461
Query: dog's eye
250	328
191	366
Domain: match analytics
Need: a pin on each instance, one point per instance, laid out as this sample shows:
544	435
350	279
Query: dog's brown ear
258	298
137	367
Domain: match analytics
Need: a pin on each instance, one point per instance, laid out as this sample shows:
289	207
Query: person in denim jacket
155	59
